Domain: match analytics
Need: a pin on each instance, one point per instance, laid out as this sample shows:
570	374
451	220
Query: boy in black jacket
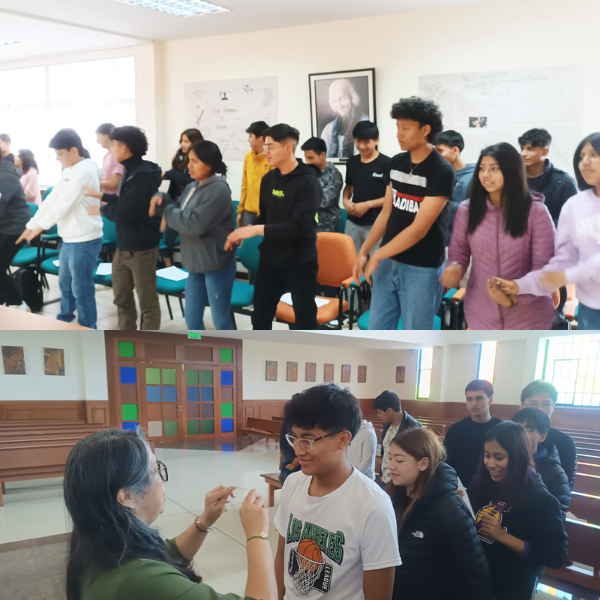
290	196
138	234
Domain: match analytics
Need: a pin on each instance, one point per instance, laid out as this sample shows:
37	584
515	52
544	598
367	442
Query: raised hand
254	515
214	504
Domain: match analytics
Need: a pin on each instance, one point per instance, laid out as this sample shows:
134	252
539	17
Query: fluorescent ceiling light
7	42
178	8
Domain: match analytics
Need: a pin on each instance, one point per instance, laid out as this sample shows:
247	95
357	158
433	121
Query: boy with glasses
290	196
337	528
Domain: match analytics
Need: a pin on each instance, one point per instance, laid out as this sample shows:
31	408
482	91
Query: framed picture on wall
338	101
400	373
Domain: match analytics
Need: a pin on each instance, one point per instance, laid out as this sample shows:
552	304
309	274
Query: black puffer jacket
441	554
547	464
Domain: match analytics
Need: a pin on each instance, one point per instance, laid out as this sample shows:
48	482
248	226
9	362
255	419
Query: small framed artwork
311	371
292	371
338	101
329	373
54	361
362	374
14	360
400	372
346	371
271	370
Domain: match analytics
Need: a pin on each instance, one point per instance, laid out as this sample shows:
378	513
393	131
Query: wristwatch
200	526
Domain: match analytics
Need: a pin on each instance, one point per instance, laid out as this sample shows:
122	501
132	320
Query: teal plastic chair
363	322
33	256
47	192
343	219
242	294
105	280
109	236
50	268
236	203
168	288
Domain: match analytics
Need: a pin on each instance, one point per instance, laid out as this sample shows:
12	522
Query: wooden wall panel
53	410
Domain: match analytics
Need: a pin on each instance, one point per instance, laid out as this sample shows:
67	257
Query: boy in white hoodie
66	206
362	450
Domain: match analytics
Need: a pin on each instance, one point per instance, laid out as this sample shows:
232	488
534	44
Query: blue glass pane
226	377
207	394
128	375
227	447
227	425
169	393
153	393
132	425
193	395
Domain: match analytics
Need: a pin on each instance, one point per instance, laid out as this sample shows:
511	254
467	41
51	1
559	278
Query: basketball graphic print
493	509
309	550
307	568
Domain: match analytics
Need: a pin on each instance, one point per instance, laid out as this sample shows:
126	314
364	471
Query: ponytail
209	153
84	153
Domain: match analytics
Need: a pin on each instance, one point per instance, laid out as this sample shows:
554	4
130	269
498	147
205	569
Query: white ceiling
48	27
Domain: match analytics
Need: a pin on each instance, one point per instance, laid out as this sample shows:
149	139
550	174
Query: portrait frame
322	115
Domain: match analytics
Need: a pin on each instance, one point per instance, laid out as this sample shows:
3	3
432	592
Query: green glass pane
153	376
170	427
127	349
193	427
191	377
129	412
169	376
208	426
227	410
206	377
226	355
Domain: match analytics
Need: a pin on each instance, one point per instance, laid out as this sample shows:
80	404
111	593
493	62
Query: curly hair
424	112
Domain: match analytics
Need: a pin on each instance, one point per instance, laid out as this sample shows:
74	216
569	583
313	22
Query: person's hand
499	297
492	527
553	280
451	276
93	211
156	201
92	193
293	464
214	504
350	207
28	235
359	267
360	209
254	514
504	285
371	267
238	219
461	492
237	235
163	174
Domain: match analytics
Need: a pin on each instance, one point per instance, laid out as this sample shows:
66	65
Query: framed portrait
338	101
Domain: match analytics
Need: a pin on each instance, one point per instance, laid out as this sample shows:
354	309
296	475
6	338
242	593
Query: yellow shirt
255	168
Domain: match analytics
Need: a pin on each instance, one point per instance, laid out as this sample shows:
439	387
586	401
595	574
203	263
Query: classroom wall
85	367
507	34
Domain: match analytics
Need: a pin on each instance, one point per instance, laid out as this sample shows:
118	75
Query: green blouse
146	579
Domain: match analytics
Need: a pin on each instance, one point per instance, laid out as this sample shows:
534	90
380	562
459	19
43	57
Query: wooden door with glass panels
162	402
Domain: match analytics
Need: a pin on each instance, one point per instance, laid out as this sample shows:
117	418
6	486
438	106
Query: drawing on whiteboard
223	110
512	102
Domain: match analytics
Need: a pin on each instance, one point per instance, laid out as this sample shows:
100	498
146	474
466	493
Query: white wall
85	366
507	34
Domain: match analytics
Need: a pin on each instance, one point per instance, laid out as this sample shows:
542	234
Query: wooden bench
274	481
263	428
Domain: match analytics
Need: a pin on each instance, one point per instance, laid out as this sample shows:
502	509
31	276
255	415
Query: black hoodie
547	464
129	209
441	554
14	212
288	208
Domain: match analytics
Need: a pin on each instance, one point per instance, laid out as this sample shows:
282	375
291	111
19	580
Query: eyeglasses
306	444
162	470
269	147
531	430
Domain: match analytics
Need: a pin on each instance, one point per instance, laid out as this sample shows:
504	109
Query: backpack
29	286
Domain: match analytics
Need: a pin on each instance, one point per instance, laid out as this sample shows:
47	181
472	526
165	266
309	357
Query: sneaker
23	306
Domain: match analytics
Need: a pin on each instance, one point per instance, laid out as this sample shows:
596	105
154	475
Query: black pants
8	249
272	283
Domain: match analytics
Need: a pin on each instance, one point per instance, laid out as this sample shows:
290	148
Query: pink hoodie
495	253
31	185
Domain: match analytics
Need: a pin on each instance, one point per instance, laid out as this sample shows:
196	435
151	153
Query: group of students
423	536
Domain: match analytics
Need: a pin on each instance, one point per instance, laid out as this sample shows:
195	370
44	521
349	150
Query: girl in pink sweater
503	228
26	162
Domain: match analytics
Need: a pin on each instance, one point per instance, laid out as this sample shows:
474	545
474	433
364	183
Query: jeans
407	291
588	318
8	249
77	265
210	289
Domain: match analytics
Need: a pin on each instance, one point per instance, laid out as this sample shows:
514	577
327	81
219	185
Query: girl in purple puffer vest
506	231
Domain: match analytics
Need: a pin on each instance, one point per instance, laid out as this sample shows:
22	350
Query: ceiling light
178	8
7	42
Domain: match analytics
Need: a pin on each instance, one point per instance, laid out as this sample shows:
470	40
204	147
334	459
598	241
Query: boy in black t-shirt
365	183
407	266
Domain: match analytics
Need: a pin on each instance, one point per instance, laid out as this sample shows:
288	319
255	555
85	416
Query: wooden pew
264	428
585	507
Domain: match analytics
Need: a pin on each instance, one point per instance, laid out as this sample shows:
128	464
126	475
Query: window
36	102
487	361
572	364
425	366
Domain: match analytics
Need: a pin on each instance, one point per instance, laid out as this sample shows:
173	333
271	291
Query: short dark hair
5	137
539	386
282	133
365	130
66	139
534	417
538	138
478	385
387	400
424	112
451	139
105	128
133	137
594	140
257	128
209	153
325	406
28	160
315	144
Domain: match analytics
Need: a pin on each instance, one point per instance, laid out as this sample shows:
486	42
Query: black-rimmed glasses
162	470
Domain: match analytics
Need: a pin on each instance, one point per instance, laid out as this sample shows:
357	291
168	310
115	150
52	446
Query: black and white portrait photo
338	102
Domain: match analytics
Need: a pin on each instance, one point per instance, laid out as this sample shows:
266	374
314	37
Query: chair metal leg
169	306
181	306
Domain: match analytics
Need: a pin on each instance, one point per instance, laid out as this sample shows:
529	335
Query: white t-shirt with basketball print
331	540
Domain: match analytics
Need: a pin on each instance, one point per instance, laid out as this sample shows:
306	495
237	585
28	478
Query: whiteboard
223	110
512	101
